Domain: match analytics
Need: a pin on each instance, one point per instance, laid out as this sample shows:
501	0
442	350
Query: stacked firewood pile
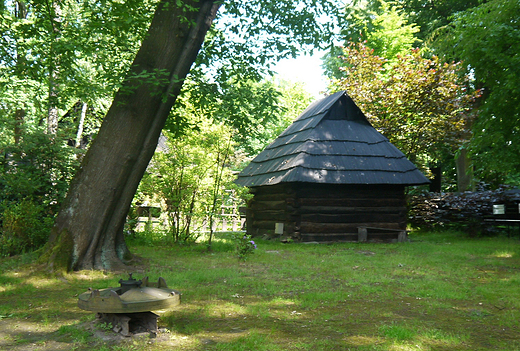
466	210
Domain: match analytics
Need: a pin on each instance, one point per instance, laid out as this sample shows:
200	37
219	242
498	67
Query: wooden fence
228	220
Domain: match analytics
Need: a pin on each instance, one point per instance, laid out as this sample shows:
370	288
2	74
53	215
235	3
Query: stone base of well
128	324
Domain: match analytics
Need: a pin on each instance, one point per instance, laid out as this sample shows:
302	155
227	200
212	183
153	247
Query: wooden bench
507	222
505	215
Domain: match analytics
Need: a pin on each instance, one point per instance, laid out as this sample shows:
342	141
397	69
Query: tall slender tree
19	115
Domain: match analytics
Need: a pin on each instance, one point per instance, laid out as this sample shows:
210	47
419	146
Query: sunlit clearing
279	302
404	347
502	254
228	309
362	340
6	287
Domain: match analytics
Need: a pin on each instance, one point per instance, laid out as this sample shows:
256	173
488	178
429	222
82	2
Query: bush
36	173
39	167
244	246
24	227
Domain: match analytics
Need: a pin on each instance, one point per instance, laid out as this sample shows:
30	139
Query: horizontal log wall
271	205
334	212
321	212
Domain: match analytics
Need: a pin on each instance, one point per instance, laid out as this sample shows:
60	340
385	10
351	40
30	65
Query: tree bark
464	172
88	233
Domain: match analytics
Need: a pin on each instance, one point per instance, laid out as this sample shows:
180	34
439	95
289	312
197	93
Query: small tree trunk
464	172
54	69
19	117
219	171
88	232
81	123
52	114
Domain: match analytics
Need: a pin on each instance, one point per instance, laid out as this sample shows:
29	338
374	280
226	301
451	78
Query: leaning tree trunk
88	233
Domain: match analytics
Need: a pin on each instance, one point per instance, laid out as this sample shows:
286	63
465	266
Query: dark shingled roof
331	142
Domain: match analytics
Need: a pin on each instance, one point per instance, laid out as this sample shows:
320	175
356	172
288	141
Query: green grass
75	333
442	291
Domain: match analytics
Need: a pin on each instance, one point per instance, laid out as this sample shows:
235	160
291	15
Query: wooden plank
351	210
358	191
275	189
276	216
350	202
330	237
353	218
268	197
269	224
270	205
311	227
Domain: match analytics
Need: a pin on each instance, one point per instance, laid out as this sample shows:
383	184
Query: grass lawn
442	291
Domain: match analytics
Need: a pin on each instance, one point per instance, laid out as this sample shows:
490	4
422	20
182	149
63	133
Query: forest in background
438	78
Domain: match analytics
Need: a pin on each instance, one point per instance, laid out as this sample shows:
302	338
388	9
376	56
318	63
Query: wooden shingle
331	142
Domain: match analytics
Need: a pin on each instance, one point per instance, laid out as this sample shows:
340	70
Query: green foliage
419	104
189	177
70	51
427	15
228	80
383	27
79	51
257	111
151	237
487	39
432	15
250	36
38	167
392	35
35	176
244	246
25	227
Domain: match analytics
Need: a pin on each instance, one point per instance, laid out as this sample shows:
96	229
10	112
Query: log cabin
329	177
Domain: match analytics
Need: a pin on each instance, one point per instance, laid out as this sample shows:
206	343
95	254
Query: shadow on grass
39	311
431	295
275	325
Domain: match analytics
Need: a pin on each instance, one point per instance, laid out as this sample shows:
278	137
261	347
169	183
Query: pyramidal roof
331	142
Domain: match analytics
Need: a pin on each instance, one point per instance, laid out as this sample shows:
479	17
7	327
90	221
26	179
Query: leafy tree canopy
382	26
228	80
487	39
257	111
419	104
429	15
92	42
